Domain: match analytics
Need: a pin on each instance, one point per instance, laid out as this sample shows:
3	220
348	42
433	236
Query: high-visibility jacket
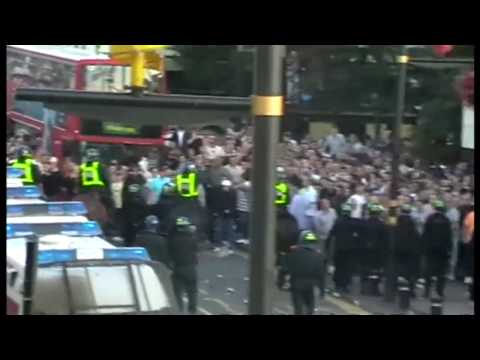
27	167
90	175
187	185
283	194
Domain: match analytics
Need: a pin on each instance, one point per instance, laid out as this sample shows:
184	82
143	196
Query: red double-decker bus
51	67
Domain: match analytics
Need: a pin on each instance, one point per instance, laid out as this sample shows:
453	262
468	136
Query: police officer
93	175
134	204
407	247
437	239
345	236
94	179
24	161
374	246
165	206
282	188
149	238
182	249
286	237
304	264
187	183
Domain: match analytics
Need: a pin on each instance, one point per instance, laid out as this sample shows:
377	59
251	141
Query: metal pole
397	125
267	106
30	274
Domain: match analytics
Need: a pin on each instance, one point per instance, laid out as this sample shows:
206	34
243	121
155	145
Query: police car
78	272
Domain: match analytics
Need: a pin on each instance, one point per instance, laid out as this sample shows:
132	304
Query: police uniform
93	178
304	264
182	251
437	239
283	194
134	207
286	237
187	185
374	245
407	248
346	237
31	172
149	238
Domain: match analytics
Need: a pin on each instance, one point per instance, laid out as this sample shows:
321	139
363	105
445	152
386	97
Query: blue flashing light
19	230
15	210
14	173
86	229
25	192
53	208
55	256
75	208
90	228
126	254
70	209
46	257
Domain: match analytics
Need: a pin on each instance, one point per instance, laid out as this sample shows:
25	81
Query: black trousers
344	261
133	221
407	266
303	300
436	265
184	281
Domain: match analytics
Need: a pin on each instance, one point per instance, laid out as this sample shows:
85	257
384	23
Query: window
30	71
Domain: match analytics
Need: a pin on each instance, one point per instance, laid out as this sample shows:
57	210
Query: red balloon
443	50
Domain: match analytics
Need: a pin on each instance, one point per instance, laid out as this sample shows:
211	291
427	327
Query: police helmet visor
309	237
439	205
406	209
182	221
346	209
151	221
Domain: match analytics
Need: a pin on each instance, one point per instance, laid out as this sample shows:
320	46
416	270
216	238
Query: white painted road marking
224	305
203	311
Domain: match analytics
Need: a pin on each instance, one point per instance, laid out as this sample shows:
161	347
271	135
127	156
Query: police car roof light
46	257
90	228
18	231
53	208
24	192
133	253
14	173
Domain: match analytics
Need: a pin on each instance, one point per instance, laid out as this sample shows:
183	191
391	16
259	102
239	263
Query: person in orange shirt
468	227
468	230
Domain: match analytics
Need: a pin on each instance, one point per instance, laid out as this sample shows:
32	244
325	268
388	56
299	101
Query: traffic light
443	50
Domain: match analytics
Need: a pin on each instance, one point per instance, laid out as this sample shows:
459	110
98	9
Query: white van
79	273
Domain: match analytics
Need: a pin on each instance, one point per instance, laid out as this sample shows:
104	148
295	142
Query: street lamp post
402	80
268	108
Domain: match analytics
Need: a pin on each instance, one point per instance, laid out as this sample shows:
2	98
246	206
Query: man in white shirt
335	144
303	205
358	201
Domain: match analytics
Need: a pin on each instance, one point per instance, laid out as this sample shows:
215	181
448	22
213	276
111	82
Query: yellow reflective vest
283	194
187	185
90	175
27	167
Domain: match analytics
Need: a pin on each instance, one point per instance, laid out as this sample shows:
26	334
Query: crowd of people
323	175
